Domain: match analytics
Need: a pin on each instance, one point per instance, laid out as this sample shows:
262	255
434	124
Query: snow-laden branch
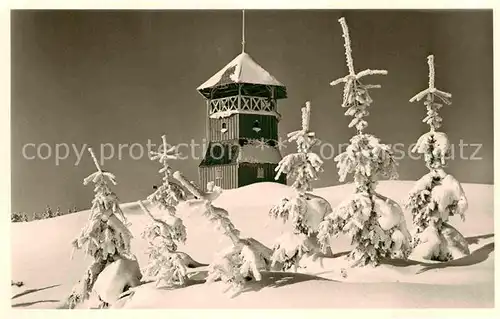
358	76
245	258
188	185
171	228
216	215
146	211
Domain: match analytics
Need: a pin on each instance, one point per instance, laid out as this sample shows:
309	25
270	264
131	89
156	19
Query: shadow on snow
477	256
277	280
29	291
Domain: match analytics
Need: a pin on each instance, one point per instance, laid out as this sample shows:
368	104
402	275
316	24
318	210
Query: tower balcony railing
242	103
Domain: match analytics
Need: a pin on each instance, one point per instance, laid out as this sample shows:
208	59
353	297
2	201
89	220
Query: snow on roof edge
245	66
251	153
223	114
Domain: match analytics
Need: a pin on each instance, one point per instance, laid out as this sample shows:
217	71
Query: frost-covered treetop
99	177
304	165
104	198
356	97
304	138
164	154
434	145
166	196
432	119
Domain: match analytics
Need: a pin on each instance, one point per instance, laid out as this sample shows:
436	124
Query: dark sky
123	77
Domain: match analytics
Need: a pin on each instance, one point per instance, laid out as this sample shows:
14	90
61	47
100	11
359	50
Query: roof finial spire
243	32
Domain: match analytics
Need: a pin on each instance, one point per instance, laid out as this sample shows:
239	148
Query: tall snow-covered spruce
166	266
304	209
437	195
245	258
375	223
105	238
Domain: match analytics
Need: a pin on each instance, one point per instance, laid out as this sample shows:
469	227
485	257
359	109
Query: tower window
256	126
260	172
223	127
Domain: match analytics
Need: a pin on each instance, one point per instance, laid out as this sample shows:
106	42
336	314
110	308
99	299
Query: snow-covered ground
41	259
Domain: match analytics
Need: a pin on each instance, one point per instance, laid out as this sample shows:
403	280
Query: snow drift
321	282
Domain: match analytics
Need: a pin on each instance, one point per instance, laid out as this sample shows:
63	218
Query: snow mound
278	290
116	278
464	282
433	246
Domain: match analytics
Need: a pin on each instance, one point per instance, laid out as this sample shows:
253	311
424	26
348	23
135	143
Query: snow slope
41	251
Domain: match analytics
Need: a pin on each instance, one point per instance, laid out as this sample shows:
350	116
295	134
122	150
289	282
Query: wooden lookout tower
242	125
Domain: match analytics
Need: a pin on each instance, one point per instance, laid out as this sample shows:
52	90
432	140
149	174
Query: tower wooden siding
243	126
229	173
215	128
268	125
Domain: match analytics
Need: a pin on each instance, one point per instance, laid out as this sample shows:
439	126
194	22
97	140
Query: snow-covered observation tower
242	124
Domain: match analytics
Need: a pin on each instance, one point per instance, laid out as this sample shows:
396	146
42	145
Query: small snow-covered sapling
375	223
245	258
437	195
304	209
105	237
165	265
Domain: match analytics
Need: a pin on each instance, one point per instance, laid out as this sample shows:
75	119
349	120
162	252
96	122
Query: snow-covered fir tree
48	212
245	258
17	217
375	223
166	266
437	195
303	209
105	238
37	216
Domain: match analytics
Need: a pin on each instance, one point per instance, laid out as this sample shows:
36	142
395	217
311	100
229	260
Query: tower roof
242	70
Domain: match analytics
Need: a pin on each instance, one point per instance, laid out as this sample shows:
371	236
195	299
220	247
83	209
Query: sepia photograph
252	159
